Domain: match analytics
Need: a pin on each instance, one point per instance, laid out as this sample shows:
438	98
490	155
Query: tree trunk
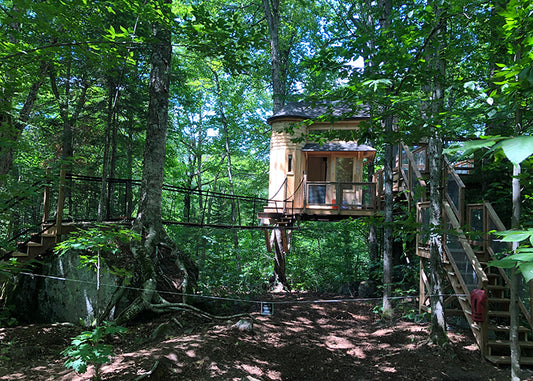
157	260
235	212
438	333
271	8
103	203
515	276
11	129
388	238
279	280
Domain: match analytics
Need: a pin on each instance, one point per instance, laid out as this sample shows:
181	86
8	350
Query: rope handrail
169	187
280	188
296	190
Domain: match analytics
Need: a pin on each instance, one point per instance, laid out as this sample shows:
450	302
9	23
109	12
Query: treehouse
312	179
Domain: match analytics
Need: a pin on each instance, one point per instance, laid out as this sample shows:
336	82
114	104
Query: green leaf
527	270
504	263
517	149
515	235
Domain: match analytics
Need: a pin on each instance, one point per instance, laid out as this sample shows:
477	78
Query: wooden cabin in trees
316	178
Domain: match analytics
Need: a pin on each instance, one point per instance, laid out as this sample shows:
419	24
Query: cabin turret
318	180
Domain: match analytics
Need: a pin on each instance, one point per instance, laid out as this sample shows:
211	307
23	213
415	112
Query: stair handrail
413	171
459	209
492	255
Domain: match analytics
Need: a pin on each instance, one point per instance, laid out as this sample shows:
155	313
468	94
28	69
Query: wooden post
304	202
60	202
422	289
46	199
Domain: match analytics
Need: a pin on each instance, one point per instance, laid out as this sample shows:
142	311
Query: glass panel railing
405	159
453	191
498	247
462	261
420	159
341	195
423	221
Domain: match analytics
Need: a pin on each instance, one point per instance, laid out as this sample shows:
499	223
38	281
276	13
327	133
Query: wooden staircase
465	262
498	321
38	244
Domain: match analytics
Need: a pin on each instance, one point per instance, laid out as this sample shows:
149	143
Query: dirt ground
300	341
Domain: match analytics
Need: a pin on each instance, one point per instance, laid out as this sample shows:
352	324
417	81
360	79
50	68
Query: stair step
496	287
499	313
499	300
506	360
505	328
507	343
457	312
19	254
34	244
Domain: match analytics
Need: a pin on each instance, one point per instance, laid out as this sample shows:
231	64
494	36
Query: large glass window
344	170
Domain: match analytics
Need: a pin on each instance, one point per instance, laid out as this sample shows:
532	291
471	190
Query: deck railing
340	195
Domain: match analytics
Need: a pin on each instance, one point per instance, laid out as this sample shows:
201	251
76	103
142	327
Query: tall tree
155	246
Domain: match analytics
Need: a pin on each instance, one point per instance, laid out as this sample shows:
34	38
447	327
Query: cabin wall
281	146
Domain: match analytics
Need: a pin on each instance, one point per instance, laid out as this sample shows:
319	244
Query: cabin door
317	169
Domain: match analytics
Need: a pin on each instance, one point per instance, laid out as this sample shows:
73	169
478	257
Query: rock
350	288
244	325
367	289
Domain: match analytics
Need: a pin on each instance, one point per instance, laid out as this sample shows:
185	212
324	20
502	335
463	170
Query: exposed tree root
169	307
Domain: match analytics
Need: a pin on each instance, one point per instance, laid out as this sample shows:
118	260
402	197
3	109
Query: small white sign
267	308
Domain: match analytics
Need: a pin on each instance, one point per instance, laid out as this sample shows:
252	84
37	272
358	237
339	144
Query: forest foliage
74	92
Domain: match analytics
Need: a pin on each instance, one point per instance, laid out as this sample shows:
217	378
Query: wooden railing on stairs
465	262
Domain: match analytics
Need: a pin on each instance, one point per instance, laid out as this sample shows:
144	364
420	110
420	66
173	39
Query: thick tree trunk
438	333
157	260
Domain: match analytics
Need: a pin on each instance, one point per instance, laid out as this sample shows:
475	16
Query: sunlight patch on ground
273	375
253	370
303	320
190	353
215	370
296	329
382	332
388	369
335	342
172	357
357	353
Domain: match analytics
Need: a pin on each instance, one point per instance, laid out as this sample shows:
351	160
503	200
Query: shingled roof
334	109
337	147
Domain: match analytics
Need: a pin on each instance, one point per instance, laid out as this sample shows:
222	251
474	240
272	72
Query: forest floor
300	341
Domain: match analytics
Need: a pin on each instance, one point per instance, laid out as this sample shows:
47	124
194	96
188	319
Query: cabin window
289	164
344	170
